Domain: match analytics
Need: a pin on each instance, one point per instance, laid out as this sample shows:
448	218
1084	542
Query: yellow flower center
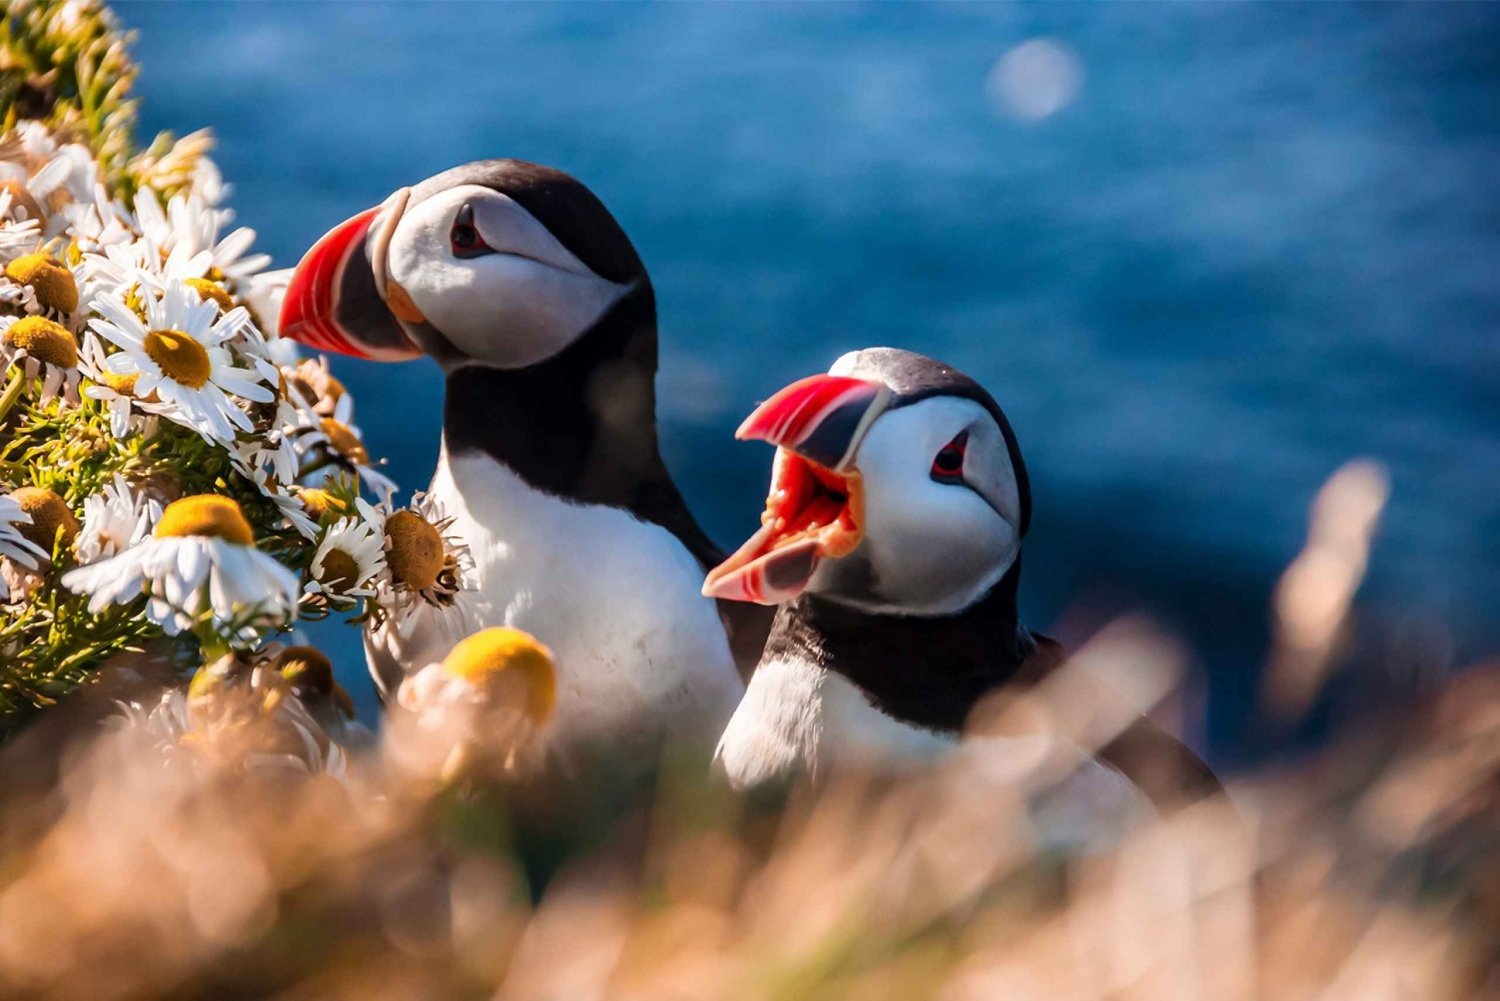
339	572
44	340
210	290
320	502
53	284
345	442
415	551
208	515
500	653
305	667
181	357
122	384
50	517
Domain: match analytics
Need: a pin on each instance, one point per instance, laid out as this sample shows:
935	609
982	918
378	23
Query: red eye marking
948	464
464	238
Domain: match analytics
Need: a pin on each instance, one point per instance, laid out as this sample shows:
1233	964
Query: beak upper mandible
337	299
822	417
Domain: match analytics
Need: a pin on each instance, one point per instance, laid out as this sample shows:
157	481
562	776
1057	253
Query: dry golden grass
138	861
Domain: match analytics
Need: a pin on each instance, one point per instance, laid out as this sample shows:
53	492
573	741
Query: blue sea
1203	255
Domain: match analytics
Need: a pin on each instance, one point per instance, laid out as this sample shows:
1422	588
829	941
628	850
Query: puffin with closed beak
891	543
519	283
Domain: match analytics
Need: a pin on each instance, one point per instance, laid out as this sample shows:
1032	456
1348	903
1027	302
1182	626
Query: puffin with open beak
519	283
891	543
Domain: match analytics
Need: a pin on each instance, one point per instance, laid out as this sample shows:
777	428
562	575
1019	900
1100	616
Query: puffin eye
464	238
948	464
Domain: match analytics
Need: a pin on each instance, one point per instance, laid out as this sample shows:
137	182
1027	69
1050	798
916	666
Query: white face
932	545
512	299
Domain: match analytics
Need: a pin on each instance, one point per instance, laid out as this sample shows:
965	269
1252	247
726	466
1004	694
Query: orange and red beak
340	298
815	509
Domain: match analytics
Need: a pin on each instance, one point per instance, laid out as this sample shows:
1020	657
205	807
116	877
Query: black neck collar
928	671
580	425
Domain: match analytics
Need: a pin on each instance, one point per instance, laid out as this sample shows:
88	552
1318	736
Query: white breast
639	651
797	717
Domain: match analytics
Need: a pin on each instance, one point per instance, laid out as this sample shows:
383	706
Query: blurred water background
1201	254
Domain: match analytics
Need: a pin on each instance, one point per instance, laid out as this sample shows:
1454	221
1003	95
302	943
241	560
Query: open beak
815	509
340	298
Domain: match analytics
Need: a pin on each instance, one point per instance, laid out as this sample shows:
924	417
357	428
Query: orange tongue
812	513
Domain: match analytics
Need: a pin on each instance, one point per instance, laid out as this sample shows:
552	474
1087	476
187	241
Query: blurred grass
1369	870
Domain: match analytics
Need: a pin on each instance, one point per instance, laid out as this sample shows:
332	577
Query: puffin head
499	263
897	488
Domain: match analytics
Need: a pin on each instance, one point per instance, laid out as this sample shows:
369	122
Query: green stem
12	392
211	645
311	468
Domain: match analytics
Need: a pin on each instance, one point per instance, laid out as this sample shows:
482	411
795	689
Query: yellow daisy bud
495	655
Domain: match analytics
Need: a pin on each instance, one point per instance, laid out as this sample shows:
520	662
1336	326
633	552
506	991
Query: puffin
891	548
520	284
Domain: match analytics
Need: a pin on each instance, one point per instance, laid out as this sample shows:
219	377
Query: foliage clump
143	388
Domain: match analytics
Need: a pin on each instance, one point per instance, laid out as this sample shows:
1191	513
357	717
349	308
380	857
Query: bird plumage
880	654
515	278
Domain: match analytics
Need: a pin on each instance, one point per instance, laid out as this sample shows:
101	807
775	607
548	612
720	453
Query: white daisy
200	559
340	442
191	222
140	261
180	362
233	727
293	510
43	177
263	294
314	383
423	565
46	352
351	553
115	391
13	544
208	183
99	222
275	450
309	675
114	519
16	238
